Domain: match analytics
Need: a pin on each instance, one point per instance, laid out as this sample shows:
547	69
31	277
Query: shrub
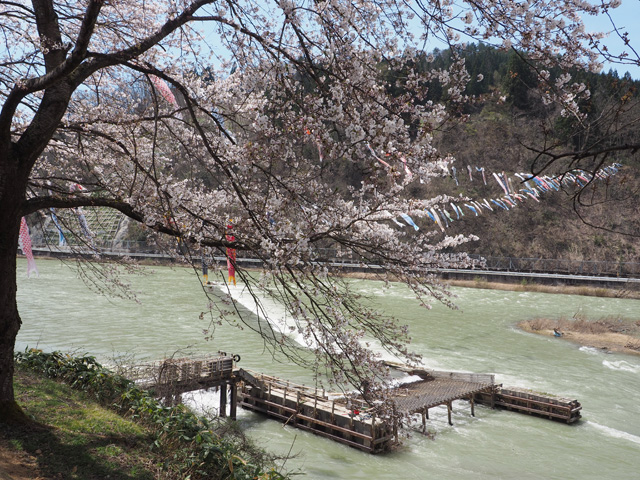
193	447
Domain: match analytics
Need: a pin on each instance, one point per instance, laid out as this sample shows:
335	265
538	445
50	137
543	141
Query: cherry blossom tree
185	114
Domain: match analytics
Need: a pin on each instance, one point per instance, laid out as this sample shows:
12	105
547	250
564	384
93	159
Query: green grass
73	437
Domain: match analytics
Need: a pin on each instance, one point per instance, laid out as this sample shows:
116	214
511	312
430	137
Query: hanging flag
406	169
497	177
409	220
61	239
430	215
25	245
205	270
82	220
231	255
500	204
437	219
455	209
453	172
164	90
442	217
481	169
471	208
376	157
470	172
533	196
317	140
320	155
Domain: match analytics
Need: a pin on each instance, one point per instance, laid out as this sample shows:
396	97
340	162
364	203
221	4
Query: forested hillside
504	127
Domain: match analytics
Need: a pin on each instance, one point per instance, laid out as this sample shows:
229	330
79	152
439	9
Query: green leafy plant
194	449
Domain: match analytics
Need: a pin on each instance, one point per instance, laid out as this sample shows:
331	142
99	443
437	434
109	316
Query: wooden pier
316	411
170	378
352	421
440	388
348	420
540	405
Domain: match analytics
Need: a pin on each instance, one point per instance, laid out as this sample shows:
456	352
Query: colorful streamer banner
61	240
82	220
533	187
376	157
231	256
164	90
409	220
25	245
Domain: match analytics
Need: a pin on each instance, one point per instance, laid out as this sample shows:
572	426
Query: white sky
626	18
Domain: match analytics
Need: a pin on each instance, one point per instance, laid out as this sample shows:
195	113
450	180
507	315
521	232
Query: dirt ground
16	465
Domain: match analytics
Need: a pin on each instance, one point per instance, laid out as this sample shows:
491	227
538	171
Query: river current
59	312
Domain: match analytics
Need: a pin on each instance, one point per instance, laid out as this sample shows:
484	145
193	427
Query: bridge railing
562	266
337	257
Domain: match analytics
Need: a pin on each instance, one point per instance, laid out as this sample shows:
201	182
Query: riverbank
72	436
524	286
607	334
583	290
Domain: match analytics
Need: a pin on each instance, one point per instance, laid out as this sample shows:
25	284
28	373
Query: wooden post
449	413
333	408
395	429
373	430
424	421
426	413
473	413
223	400
315	406
234	400
284	400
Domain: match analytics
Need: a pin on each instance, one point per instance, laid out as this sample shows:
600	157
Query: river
60	312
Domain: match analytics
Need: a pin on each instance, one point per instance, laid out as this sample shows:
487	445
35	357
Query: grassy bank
614	334
105	428
74	437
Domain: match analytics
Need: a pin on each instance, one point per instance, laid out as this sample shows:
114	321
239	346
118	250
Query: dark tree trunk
12	194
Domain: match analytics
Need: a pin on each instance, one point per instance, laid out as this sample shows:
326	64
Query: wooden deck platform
440	388
170	378
316	411
351	421
540	405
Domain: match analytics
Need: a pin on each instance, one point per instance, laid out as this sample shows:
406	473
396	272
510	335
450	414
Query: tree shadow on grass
86	456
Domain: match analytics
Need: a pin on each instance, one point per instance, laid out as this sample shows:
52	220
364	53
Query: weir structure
346	419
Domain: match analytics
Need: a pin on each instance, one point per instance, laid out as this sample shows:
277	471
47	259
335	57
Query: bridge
109	228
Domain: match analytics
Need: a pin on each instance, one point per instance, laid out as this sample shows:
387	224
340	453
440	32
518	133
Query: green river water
60	312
